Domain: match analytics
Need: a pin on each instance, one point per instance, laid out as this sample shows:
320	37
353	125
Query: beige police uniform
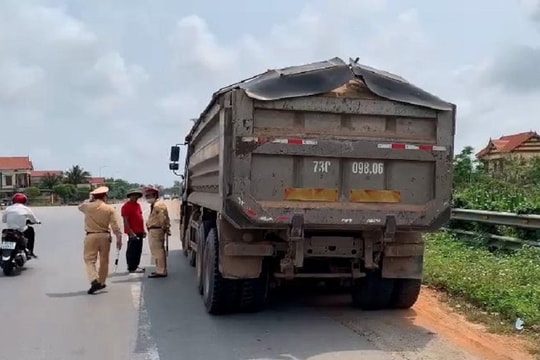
158	225
98	218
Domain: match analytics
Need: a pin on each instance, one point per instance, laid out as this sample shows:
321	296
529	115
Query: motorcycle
14	252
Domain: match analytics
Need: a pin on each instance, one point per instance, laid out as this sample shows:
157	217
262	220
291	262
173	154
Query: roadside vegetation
72	187
505	284
514	188
501	284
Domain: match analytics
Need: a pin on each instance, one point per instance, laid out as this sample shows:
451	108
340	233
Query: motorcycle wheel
8	269
19	261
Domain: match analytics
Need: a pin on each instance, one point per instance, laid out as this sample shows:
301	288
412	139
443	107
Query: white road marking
151	351
136	296
281	357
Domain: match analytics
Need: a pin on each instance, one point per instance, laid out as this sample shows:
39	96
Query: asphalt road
46	314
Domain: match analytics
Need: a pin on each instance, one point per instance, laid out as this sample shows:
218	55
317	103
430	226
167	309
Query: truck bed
344	159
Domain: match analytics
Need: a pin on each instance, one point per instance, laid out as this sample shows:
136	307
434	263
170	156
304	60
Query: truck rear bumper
337	217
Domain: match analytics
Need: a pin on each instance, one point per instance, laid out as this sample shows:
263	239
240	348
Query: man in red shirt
134	228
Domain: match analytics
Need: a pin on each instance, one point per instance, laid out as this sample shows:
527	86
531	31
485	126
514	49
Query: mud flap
410	267
240	267
235	267
404	258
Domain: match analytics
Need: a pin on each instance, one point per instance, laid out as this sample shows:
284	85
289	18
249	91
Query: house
15	173
523	145
37	176
96	182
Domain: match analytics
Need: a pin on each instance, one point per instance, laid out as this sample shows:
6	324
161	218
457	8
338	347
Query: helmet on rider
19	198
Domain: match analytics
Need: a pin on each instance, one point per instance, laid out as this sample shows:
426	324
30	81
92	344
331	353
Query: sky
110	85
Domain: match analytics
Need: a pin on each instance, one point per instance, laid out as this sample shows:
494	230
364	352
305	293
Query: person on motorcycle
17	216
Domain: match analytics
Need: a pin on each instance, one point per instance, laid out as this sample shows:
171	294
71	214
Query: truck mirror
174	166
175	153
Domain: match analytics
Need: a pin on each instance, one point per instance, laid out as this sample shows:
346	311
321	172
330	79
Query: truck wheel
185	245
405	293
372	292
219	294
200	263
192	257
254	292
202	233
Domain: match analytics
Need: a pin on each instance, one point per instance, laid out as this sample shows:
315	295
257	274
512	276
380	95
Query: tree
50	180
464	167
117	188
532	174
66	191
77	175
32	192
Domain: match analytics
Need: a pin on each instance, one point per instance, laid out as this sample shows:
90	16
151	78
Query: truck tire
405	293
372	292
254	292
184	249
202	233
192	257
219	294
184	241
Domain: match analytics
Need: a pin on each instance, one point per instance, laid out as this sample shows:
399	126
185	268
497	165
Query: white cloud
60	84
18	81
124	78
320	31
532	7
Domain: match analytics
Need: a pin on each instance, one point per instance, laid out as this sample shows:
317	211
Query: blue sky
113	83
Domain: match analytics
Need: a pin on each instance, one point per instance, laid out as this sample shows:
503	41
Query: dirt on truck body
326	171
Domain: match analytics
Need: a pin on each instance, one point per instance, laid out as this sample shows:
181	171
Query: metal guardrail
531	222
497	218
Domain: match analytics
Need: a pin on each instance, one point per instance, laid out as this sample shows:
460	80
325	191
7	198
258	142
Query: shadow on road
302	324
73	294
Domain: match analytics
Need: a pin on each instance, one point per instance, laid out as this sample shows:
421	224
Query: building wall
15	179
495	162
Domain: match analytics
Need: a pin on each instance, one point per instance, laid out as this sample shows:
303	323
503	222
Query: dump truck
329	171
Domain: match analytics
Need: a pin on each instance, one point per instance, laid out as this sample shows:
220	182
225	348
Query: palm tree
50	180
77	175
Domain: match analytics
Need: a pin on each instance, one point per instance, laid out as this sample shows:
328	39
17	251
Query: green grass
506	284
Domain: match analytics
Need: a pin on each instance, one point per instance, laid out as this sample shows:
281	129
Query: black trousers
134	251
30	234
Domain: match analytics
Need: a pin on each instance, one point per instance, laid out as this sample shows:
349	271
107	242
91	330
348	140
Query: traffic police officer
99	219
158	225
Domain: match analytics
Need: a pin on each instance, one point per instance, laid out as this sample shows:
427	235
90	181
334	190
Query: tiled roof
15	163
507	143
43	173
96	180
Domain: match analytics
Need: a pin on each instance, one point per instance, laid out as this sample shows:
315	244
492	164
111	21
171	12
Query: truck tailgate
344	162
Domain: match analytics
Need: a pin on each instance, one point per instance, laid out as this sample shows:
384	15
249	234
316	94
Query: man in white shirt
16	217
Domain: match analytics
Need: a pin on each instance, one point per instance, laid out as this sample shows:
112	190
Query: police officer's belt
154	228
96	232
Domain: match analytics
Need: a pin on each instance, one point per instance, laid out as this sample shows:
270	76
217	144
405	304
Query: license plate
8	245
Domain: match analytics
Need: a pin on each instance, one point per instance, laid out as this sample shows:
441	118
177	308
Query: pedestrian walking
158	225
99	220
132	215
